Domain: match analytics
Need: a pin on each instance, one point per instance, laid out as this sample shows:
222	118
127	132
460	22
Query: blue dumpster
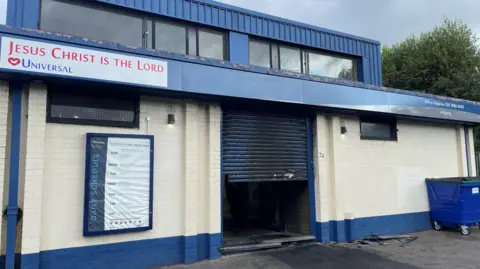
454	202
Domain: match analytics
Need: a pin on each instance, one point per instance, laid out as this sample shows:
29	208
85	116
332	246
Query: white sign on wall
119	183
48	58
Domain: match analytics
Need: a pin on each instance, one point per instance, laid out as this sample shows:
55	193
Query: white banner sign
127	183
33	56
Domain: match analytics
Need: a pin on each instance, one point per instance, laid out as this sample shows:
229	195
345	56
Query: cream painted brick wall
473	166
191	183
34	164
214	164
5	122
62	193
362	178
202	169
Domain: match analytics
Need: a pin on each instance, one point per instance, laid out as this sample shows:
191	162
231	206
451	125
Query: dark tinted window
92	110
378	128
290	59
170	37
331	66
211	44
259	53
93	22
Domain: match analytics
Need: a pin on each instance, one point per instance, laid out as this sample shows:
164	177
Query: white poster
41	57
127	183
119	174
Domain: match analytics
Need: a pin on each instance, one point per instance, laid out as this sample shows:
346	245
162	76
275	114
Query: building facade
142	133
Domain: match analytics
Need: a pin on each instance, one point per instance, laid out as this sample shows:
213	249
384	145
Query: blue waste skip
454	202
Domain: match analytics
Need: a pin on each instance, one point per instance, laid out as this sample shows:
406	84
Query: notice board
118	183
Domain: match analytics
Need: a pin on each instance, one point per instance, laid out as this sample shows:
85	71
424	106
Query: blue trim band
347	230
188	74
15	136
150	253
56	38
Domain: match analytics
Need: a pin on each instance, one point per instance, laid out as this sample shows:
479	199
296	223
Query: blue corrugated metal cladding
253	23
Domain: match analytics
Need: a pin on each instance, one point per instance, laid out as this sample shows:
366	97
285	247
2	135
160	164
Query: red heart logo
13	61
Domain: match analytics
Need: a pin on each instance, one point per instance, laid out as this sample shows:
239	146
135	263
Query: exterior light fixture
171	115
343	128
171	119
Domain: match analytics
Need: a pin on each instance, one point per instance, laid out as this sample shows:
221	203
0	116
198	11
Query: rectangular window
275	57
192	41
290	59
183	39
87	19
378	128
331	66
90	21
259	53
86	109
170	37
211	44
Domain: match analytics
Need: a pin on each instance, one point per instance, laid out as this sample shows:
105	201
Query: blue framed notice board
118	183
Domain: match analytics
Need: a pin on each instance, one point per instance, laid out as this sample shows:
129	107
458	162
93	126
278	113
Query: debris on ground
377	240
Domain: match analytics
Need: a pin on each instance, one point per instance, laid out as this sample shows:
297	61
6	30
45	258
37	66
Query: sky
388	21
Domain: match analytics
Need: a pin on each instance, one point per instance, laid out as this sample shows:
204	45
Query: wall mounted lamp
171	119
343	130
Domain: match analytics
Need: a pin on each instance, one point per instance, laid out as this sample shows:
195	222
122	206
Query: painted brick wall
186	158
4	159
358	179
34	168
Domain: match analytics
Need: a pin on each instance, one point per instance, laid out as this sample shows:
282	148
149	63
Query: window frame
275	48
148	26
390	121
335	55
135	124
302	58
170	22
190	27
214	31
270	54
107	8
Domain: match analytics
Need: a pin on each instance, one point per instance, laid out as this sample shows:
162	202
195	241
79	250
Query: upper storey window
71	17
186	39
295	59
100	22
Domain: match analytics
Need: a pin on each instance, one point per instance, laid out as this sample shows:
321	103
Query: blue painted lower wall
141	254
189	249
346	230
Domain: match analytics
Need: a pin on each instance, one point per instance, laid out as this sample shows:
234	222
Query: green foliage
444	61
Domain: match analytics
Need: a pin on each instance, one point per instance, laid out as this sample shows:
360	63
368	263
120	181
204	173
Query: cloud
388	21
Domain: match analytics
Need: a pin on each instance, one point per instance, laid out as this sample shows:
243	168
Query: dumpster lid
455	179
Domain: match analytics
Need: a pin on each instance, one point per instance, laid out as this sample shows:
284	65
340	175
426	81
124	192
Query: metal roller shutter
264	147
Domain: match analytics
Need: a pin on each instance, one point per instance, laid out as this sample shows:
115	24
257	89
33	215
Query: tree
444	61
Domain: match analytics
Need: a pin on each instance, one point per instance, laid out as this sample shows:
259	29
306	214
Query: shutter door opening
264	147
266	190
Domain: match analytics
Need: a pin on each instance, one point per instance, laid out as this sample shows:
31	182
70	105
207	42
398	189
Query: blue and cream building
255	123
